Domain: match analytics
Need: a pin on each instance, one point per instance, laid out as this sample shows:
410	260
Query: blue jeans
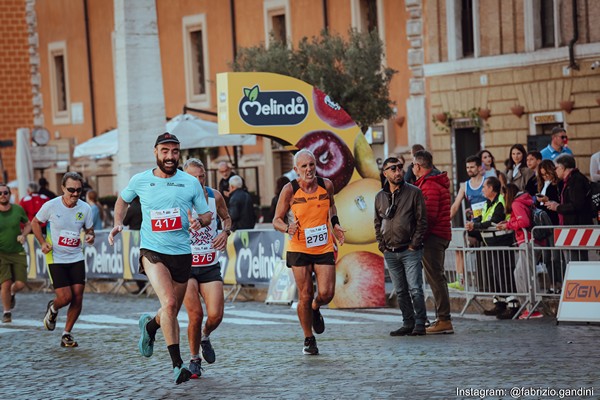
406	272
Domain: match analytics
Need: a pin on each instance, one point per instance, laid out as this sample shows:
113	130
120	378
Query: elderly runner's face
197	172
167	157
71	191
306	167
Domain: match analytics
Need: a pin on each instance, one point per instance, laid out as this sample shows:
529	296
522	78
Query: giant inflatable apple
359	281
334	158
330	112
356	208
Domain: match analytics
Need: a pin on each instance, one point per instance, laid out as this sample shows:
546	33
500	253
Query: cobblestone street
259	355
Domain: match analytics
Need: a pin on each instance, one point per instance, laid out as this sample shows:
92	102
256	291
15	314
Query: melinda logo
582	291
272	108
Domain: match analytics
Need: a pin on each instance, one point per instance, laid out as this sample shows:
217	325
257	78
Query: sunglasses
564	137
394	167
4	193
73	190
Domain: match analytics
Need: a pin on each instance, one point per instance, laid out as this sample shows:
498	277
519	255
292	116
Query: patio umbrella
101	146
194	132
23	164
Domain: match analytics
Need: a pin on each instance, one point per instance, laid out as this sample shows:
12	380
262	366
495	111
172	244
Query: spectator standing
400	226
91	198
557	145
575	207
281	182
227	172
435	186
44	188
595	167
409	175
488	163
517	172
241	208
67	216
13	260
33	201
133	220
534	158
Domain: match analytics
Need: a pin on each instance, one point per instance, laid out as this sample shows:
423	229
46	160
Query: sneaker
181	374
428	322
456	285
440	327
419	331
13	301
146	343
7	317
527	315
310	346
208	353
317	322
50	317
68	341
195	368
403	331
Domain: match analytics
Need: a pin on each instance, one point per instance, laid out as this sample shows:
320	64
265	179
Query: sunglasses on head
4	192
394	167
74	190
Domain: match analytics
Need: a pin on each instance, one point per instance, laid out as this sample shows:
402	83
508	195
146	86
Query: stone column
138	86
415	104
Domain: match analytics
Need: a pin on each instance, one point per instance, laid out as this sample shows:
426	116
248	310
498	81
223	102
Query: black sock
175	355
152	326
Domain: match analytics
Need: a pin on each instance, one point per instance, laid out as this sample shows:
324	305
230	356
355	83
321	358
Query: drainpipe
572	63
325	19
89	62
233	33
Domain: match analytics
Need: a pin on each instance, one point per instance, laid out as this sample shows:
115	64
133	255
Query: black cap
166	138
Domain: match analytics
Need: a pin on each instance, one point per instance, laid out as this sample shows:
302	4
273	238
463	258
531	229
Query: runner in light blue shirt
167	196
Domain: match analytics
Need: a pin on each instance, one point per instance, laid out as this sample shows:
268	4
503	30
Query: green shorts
13	266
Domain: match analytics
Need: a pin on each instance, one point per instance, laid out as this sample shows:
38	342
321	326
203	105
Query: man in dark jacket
400	226
241	209
575	207
435	186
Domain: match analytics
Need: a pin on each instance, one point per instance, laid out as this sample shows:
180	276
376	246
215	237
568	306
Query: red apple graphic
334	158
359	281
330	112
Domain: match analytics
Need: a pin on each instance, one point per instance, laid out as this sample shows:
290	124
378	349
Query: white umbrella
101	146
194	132
23	164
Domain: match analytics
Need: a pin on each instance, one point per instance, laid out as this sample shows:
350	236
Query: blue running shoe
146	343
208	353
181	374
195	368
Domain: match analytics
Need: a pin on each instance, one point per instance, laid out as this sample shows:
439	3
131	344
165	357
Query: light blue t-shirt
165	204
548	152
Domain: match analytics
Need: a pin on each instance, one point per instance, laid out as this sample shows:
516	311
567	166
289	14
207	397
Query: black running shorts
64	275
179	265
297	259
207	274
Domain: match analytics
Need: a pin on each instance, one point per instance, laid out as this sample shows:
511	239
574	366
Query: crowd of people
187	225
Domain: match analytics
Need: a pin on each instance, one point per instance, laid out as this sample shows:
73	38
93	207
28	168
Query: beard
169	170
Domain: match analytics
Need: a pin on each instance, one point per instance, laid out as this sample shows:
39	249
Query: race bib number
202	254
69	239
165	220
316	236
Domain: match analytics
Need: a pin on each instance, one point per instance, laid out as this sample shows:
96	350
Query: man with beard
311	245
13	260
400	226
66	216
167	196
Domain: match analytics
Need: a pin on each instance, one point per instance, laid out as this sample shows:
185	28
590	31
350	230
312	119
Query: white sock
195	357
52	309
66	333
204	337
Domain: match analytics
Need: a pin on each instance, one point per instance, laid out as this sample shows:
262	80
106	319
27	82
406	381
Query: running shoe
50	317
7	317
310	346
68	341
195	368
527	315
13	301
208	353
146	343
457	285
317	322
181	374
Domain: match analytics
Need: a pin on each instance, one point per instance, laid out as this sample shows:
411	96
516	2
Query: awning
191	131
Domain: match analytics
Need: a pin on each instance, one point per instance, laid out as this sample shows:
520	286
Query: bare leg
194	309
303	277
325	285
6	294
212	293
75	306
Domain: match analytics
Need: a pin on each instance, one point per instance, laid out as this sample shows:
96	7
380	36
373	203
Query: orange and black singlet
312	212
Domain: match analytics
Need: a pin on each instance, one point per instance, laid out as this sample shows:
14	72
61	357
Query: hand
220	241
89	238
552	205
501	226
114	232
46	248
338	232
21	239
292	227
543	199
194	223
469	226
